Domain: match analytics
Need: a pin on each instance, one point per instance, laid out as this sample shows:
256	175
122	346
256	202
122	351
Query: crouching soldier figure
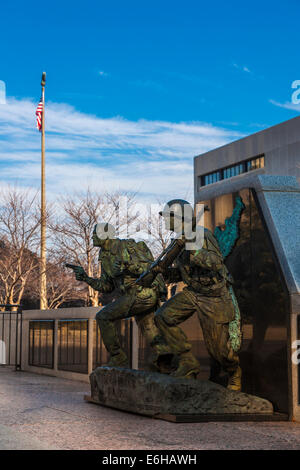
207	293
122	262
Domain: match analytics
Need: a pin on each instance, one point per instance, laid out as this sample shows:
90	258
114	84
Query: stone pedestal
161	396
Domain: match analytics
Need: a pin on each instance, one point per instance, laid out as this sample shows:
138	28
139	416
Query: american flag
39	112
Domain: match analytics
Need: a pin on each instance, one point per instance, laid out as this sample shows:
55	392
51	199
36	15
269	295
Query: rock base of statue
179	400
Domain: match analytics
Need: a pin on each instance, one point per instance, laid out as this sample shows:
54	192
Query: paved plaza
41	412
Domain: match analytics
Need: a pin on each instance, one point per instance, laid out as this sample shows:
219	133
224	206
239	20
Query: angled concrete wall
279	201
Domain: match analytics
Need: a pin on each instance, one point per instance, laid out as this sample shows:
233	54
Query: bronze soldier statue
207	291
122	262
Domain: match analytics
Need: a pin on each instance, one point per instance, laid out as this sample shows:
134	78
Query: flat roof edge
234	142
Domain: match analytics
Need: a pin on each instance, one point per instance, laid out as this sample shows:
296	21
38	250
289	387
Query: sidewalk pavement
41	412
10	439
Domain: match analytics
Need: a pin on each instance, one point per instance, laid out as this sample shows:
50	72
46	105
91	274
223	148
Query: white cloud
286	105
243	68
152	157
102	73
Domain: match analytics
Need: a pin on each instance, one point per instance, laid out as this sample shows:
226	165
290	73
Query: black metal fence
11	335
73	345
41	341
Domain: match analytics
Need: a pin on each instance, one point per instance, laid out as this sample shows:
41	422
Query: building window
212	178
255	163
234	170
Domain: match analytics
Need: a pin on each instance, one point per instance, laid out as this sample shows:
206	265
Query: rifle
165	259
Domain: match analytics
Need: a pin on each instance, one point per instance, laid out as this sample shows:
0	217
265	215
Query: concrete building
274	151
264	170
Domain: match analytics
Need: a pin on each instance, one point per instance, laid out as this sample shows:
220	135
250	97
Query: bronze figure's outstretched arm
103	284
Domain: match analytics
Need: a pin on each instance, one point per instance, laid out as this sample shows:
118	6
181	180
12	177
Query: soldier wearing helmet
206	292
122	261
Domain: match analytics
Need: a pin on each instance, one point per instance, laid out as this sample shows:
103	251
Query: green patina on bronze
208	292
227	239
235	333
128	267
122	262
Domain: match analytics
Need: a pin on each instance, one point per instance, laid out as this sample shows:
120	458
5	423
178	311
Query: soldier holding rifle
207	292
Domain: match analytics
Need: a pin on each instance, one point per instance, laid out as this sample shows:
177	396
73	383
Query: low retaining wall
54	317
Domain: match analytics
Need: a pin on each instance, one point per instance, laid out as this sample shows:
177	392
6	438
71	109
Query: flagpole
43	278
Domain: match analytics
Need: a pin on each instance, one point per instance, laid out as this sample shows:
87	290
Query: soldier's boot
163	358
188	367
235	380
118	360
163	363
110	337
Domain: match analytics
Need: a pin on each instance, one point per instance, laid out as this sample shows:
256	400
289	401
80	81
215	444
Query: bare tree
19	235
72	231
159	237
61	287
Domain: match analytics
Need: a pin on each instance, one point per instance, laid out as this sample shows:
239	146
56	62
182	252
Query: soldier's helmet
179	209
104	231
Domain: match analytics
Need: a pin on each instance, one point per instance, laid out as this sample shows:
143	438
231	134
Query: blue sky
135	89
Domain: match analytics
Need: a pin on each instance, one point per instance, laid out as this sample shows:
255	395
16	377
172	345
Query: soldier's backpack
139	254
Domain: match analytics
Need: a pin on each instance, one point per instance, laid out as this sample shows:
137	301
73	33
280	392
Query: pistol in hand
79	272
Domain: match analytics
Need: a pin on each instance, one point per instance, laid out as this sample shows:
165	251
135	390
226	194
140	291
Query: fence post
55	345
90	344
11	335
135	345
